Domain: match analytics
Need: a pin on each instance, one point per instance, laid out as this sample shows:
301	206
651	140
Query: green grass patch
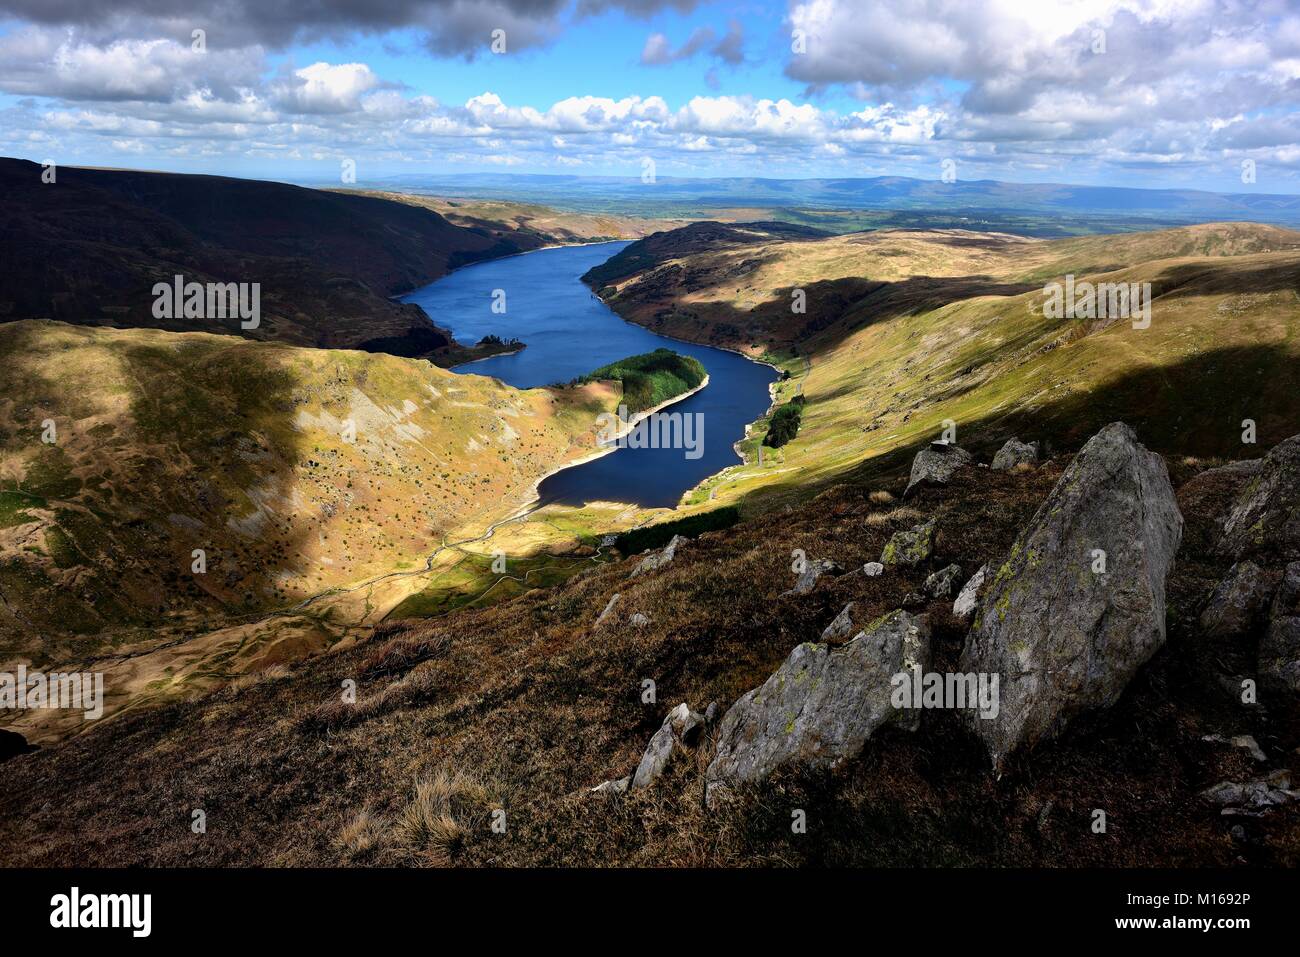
651	378
12	505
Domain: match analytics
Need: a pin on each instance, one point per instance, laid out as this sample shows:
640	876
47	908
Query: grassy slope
494	694
884	357
547	225
171	442
526	705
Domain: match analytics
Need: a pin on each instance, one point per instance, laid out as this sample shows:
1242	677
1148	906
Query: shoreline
604	449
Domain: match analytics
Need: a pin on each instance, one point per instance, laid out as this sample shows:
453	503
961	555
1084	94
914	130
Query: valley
498	587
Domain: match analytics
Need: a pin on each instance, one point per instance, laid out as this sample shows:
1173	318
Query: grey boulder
1265	519
813	570
910	547
942	583
657	560
1063	638
935	465
820	707
1014	453
681	726
968	598
1238	602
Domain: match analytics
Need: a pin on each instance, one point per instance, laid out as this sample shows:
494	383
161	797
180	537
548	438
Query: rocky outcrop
820	706
813	570
657	560
1279	651
1252	798
943	583
1014	453
611	787
935	465
609	607
1265	519
841	627
968	598
910	547
1079	604
682	726
1238	602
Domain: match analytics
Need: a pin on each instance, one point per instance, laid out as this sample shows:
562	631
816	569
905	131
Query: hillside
295	471
89	248
1078	206
904	330
528	705
546	225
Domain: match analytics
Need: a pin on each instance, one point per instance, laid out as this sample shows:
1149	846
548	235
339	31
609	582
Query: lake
568	332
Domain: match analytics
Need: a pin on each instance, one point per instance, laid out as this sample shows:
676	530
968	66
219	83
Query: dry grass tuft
254	678
361	835
880	497
895	516
400	655
440	815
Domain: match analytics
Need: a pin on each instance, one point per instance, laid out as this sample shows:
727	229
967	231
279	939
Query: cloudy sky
1170	93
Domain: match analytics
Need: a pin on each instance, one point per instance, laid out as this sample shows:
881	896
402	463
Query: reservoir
568	332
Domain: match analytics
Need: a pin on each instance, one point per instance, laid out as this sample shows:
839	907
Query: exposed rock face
813	570
911	547
942	583
1064	638
1014	453
613	600
1279	651
1257	794
968	599
611	787
1265	519
682	725
1238	602
821	705
657	560
936	465
841	627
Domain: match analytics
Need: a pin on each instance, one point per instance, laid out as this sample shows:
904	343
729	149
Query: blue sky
1163	93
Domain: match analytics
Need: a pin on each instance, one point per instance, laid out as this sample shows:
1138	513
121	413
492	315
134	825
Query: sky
1155	93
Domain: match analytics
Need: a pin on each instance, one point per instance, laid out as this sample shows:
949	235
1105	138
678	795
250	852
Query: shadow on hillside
1228	275
1195	407
199	434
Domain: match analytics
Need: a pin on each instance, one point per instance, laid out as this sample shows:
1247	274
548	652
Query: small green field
651	378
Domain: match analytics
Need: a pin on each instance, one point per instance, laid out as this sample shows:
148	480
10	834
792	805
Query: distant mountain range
881	192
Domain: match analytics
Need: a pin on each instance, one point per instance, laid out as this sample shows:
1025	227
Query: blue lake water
568	332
